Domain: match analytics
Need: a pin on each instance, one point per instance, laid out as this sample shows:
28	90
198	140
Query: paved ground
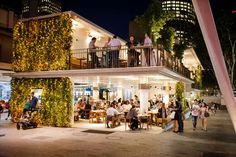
218	141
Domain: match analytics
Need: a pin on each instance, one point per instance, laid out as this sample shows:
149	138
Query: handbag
206	114
172	115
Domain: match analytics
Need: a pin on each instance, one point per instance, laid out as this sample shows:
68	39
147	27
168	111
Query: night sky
114	16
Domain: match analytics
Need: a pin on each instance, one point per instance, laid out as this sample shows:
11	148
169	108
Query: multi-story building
63	60
33	8
184	17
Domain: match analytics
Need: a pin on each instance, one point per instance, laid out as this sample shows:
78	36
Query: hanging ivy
56	99
42	45
179	93
198	77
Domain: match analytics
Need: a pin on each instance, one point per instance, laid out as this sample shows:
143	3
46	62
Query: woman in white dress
203	115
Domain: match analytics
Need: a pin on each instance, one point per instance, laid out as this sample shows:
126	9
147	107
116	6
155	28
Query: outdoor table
80	62
143	117
97	114
153	115
76	115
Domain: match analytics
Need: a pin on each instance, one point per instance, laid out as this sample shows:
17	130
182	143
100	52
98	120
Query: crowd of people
128	108
112	49
199	110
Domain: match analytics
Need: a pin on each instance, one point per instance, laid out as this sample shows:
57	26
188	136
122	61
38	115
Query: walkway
218	141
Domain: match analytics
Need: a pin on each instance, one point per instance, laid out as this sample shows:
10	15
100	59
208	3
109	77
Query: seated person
27	105
133	115
87	109
81	108
1	108
119	108
111	114
127	106
162	112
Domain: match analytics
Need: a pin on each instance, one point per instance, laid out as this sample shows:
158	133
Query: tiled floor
218	141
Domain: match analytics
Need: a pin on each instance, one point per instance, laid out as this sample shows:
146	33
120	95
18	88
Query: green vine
42	45
179	93
179	90
198	77
56	99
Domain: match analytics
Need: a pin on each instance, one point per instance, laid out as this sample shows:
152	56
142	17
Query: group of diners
119	111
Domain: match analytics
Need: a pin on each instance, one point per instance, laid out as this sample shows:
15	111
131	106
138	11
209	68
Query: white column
72	104
95	93
119	93
207	24
143	97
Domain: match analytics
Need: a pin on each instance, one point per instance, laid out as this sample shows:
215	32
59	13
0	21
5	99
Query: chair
86	113
110	119
91	116
127	120
103	115
162	121
147	120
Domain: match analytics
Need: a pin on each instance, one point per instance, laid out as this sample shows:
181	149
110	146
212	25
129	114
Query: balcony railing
138	56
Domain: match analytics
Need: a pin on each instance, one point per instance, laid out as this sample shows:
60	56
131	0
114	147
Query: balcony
104	58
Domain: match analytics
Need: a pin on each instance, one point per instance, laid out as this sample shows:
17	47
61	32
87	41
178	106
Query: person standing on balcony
115	46
108	53
147	48
133	55
92	51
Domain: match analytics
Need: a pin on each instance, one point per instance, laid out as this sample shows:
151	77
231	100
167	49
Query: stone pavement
218	141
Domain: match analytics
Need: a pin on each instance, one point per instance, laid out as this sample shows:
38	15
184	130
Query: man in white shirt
147	49
195	113
112	115
115	46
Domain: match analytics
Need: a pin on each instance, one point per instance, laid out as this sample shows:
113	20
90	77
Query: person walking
195	114
147	49
204	114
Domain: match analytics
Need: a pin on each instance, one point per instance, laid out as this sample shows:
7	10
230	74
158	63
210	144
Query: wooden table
153	115
80	61
143	117
97	114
